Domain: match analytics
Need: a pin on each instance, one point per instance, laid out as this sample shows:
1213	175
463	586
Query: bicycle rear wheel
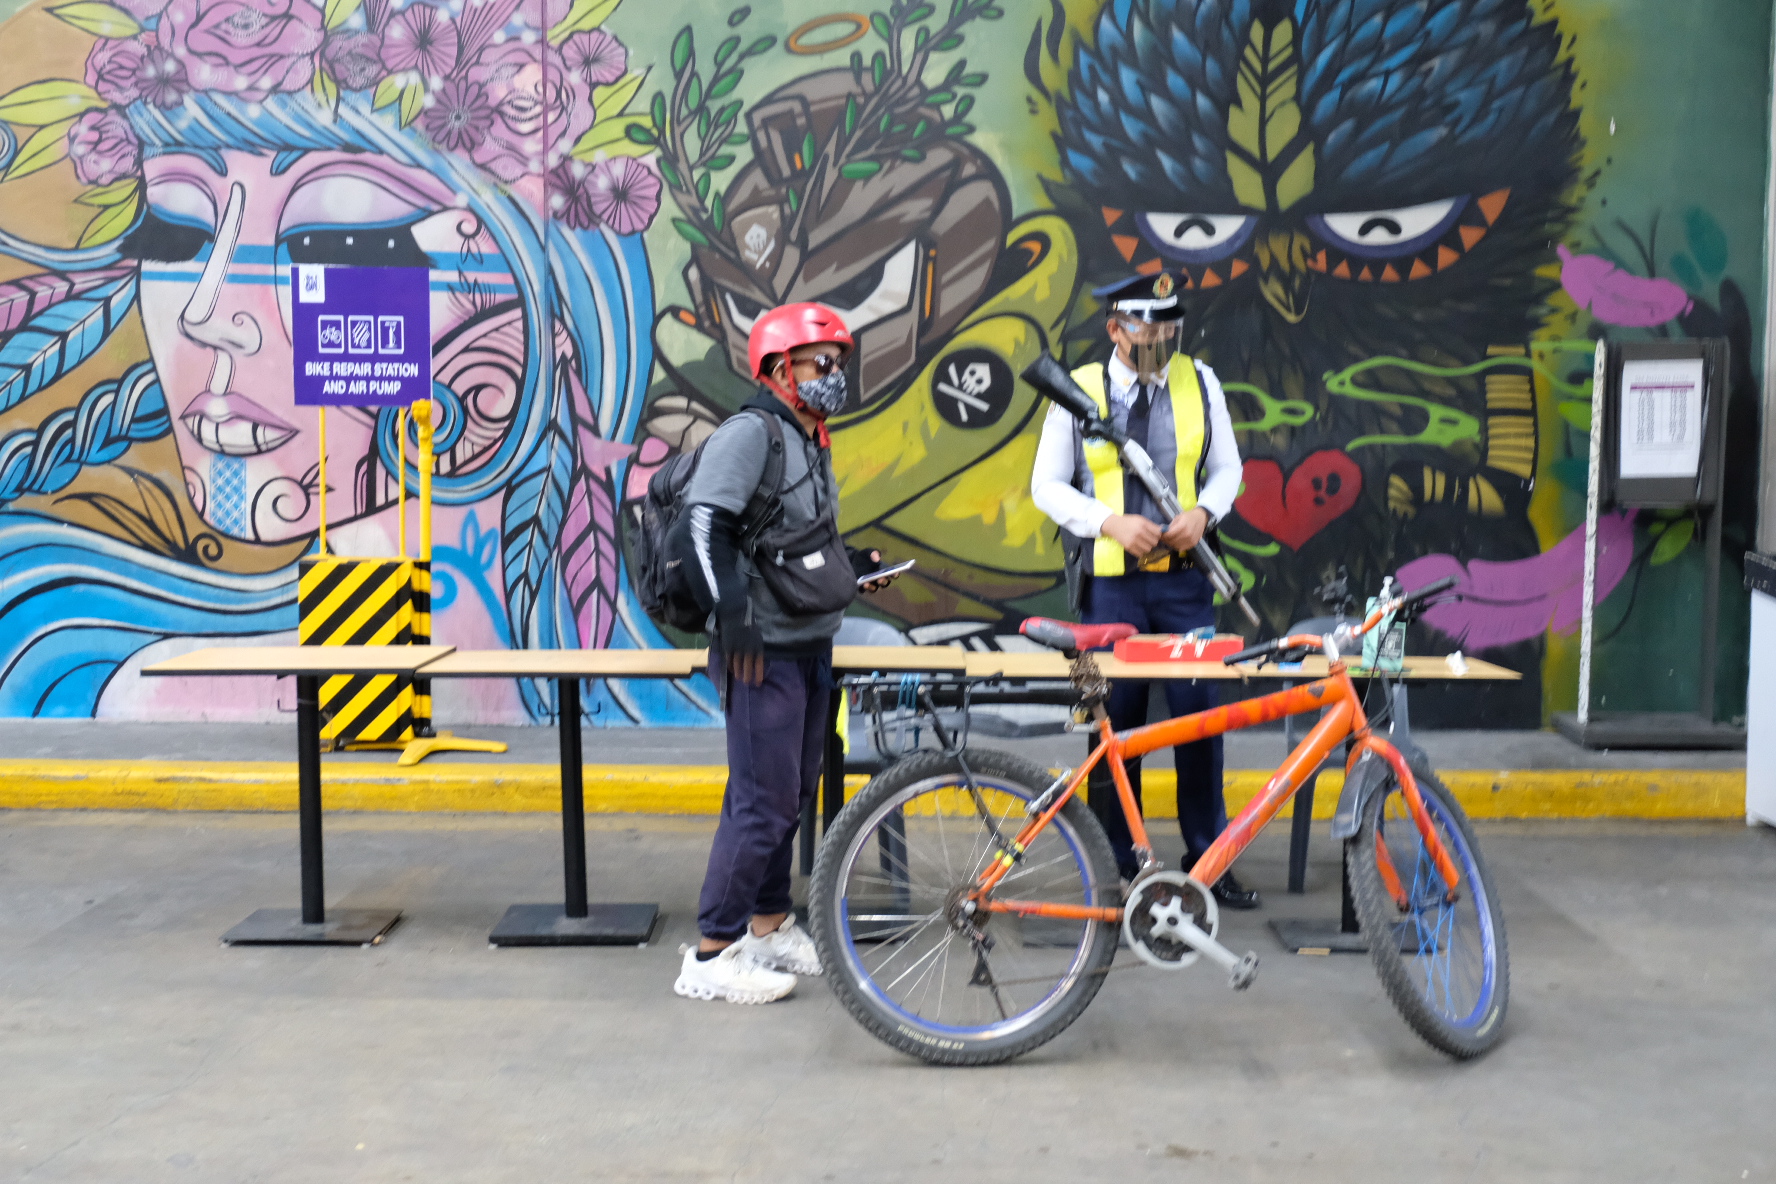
1443	962
884	909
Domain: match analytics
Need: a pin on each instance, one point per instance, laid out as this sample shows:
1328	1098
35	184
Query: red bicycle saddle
1062	635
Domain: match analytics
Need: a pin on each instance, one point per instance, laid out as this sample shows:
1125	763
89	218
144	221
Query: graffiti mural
1401	227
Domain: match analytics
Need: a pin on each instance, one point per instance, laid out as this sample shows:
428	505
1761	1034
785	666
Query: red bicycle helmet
788	325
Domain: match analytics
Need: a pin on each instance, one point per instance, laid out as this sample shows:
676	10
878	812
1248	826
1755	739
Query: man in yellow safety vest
1125	561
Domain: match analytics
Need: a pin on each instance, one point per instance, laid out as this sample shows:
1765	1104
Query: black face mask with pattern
823	396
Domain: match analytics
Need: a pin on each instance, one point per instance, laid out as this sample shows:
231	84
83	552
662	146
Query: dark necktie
1135	499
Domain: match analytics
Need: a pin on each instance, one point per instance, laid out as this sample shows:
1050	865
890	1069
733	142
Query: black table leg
310	924
573	799
832	790
1299	827
575	922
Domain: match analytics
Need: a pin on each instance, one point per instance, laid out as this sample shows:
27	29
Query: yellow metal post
422	415
321	431
401	476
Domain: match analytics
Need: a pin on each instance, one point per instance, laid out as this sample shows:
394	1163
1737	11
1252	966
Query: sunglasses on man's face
823	364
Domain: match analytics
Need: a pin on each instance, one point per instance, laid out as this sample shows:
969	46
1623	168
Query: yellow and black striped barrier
344	601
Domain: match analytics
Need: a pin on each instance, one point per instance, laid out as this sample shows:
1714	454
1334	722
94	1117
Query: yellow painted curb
697	789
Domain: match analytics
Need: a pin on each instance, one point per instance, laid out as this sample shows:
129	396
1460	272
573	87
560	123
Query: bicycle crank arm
1240	971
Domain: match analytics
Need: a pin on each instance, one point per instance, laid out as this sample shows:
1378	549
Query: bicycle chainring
1159	906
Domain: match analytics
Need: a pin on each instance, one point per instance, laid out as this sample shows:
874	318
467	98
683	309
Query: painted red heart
1321	488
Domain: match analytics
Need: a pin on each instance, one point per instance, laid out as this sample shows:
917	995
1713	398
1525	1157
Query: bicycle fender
1370	773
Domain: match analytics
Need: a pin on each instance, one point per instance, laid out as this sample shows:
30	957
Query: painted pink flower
114	69
162	79
527	100
459	117
625	193
420	38
102	147
570	195
596	57
248	48
354	59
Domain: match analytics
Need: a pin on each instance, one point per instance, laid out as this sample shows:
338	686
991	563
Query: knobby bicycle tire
1453	985
923	777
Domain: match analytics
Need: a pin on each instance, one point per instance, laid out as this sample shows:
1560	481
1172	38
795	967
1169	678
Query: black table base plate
549	925
284	927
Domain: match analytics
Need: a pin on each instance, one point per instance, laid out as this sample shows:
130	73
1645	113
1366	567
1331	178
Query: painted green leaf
1708	242
923	12
337	12
690	232
1576	412
693	95
850	114
879	23
111	223
737	138
938	98
959	129
703	124
620	135
859	170
738	15
412	101
794	198
681	51
759	46
100	19
608	101
387	91
38	104
1686	271
971	80
1673	541
718	211
879	68
724	83
110	195
48	145
703	187
718	163
912	154
809	152
947	44
658	109
670	172
726	49
583	17
1270	163
964	105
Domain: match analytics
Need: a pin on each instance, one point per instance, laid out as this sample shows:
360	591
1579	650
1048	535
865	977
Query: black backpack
655	572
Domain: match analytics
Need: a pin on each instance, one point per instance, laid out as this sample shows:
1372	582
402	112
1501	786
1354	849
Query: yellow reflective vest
1189	422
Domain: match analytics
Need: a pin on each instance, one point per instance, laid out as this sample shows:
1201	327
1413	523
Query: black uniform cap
1148	298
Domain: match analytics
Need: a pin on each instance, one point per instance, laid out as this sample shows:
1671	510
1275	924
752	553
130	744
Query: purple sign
362	335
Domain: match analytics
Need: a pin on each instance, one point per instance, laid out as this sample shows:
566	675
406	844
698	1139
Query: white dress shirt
1051	481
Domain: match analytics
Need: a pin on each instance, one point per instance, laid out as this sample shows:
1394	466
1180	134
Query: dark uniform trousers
1159	602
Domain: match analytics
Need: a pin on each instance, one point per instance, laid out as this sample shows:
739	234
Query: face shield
1151	345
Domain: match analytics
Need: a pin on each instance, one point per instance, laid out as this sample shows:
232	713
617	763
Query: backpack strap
766	502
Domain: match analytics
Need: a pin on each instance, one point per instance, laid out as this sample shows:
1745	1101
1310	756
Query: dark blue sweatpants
776	736
1159	602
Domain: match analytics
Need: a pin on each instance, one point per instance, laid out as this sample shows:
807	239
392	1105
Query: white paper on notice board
1661	419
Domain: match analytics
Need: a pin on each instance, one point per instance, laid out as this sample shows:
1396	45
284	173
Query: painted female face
216	249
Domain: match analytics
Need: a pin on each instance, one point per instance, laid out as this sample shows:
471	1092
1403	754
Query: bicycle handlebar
1380	612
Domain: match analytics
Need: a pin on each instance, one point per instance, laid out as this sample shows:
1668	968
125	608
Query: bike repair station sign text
362	335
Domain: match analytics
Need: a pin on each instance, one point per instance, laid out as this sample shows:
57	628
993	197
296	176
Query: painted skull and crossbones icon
966	386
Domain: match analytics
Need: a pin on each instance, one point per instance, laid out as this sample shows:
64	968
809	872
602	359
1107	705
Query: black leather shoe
1231	894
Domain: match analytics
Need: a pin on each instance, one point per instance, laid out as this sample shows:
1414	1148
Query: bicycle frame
1344	719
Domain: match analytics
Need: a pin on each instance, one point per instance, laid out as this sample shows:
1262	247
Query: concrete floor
1640	1042
1255	748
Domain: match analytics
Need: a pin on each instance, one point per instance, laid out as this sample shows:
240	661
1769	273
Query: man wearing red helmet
771	569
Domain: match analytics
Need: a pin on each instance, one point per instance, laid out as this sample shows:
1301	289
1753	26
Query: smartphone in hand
885	573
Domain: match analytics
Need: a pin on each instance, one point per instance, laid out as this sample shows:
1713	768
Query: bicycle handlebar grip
1432	589
1250	652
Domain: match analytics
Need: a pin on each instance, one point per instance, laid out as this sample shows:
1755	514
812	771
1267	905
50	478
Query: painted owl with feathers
1344	185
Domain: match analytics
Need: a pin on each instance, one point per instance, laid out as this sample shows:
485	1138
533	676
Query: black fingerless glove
735	630
863	562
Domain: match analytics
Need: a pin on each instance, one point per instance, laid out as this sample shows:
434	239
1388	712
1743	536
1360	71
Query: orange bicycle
967	906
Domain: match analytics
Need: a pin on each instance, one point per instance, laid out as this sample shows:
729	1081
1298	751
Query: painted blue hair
591	284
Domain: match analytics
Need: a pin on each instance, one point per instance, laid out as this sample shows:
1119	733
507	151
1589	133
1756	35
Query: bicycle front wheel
1443	962
885	907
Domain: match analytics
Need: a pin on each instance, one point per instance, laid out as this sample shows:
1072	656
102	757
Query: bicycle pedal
1243	974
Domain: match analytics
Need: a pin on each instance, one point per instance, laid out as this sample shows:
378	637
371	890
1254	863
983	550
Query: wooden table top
569	664
861	659
1048	664
300	659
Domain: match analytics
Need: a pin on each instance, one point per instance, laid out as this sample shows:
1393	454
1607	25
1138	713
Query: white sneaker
734	975
788	947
